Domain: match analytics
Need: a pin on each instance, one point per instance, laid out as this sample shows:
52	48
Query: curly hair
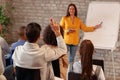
49	37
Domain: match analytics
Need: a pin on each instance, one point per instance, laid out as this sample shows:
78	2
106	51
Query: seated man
21	41
9	70
31	56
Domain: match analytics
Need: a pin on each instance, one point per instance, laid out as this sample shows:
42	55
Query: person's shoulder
64	17
45	48
48	47
18	43
77	64
13	44
2	39
78	18
96	66
19	47
77	67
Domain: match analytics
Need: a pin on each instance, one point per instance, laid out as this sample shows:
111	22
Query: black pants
56	67
27	74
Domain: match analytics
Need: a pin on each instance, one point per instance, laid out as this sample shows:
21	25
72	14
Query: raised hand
55	27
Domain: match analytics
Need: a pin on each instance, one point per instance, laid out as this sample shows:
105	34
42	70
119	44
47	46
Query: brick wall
41	11
2	2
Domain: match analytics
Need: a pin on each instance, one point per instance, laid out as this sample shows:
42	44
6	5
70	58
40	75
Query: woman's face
72	10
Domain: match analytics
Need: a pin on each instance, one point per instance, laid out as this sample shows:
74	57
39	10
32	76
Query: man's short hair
21	31
33	32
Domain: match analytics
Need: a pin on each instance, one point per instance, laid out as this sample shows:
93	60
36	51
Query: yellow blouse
73	38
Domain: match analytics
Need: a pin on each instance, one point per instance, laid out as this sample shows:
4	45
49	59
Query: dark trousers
27	74
56	67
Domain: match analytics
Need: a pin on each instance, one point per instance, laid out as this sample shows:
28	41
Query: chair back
27	74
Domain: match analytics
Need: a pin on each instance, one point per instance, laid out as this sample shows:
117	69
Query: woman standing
71	25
